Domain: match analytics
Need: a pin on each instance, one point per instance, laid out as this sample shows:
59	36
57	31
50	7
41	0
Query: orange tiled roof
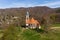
36	21
32	21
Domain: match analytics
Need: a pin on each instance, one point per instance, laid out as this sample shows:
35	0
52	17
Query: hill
38	12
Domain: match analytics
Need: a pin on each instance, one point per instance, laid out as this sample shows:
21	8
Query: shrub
11	33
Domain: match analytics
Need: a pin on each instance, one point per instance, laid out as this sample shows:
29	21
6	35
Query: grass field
56	25
1	33
28	34
34	35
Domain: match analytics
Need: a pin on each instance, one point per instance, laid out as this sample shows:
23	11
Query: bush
11	33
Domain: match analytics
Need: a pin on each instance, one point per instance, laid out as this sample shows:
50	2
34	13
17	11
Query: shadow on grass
40	30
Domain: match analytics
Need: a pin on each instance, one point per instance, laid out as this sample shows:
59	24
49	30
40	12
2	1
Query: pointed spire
27	13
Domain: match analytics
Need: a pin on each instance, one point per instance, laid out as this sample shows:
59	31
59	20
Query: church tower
27	16
27	19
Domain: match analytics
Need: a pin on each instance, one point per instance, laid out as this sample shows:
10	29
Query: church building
31	22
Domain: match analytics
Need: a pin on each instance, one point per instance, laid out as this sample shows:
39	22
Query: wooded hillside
35	12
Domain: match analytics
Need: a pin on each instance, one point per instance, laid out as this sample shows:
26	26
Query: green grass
28	34
34	35
56	25
1	33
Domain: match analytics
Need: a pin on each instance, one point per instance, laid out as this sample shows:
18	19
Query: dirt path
55	27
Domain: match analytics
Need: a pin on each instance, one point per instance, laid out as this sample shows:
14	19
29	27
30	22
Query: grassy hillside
33	35
28	34
56	25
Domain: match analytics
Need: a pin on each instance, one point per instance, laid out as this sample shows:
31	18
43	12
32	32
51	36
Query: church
31	22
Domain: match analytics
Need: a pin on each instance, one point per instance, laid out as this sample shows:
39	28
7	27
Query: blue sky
28	3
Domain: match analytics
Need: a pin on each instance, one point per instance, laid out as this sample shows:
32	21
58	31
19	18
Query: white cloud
49	4
21	5
53	3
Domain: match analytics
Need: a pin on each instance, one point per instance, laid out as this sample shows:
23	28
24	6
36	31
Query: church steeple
27	16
